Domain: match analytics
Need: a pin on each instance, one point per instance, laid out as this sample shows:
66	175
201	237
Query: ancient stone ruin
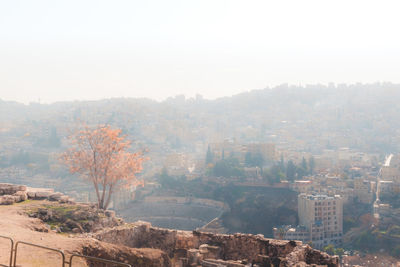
186	248
11	193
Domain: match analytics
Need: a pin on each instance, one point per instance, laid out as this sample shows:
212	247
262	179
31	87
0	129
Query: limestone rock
7	200
80	216
55	196
22	194
31	194
63	199
42	194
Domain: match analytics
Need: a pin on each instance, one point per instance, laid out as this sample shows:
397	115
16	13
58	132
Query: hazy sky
66	50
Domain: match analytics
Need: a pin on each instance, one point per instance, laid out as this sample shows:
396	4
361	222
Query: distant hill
360	116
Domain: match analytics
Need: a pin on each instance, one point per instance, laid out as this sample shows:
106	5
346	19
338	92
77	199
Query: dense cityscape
318	164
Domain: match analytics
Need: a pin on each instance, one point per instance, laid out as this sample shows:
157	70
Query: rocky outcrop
10	194
200	248
77	218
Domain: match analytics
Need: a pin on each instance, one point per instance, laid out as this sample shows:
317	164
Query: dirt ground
14	223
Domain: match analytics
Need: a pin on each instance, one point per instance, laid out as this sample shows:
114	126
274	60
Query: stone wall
143	257
199	248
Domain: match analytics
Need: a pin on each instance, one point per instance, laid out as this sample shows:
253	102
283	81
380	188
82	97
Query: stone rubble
10	194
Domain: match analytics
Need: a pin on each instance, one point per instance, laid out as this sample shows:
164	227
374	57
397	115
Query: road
375	205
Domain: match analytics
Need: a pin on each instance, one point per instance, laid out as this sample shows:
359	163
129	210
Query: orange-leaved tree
100	155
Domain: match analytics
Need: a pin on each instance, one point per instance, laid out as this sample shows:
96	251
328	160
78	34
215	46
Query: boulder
7	200
21	187
71	201
9	189
22	194
45	214
42	194
31	194
73	224
17	198
63	199
76	230
55	196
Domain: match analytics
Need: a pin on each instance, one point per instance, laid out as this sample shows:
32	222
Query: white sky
80	49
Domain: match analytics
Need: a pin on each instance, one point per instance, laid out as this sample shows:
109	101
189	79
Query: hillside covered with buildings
300	163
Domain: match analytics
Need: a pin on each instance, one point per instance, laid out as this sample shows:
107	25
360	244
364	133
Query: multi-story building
323	216
391	169
363	190
386	188
321	221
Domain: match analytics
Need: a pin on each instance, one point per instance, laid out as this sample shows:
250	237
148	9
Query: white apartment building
320	219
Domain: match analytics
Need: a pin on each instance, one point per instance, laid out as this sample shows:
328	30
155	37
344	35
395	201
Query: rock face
207	249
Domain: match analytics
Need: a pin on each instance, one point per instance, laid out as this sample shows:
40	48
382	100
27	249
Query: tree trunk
96	187
110	191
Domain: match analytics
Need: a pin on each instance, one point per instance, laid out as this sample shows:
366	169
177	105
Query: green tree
282	165
330	249
54	139
311	164
300	172
228	168
254	160
274	174
258	160
304	165
339	252
209	156
290	171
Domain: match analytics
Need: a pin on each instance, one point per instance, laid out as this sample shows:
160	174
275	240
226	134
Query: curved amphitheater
174	212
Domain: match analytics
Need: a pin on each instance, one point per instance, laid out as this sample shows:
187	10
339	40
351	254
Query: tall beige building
322	216
320	219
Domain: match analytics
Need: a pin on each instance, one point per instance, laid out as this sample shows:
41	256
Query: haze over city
208	133
87	50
